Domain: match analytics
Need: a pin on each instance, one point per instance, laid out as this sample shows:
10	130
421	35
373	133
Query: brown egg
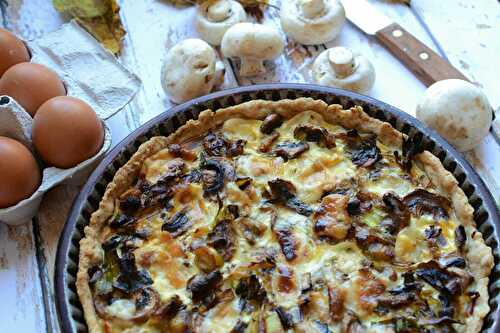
31	85
66	131
12	51
19	172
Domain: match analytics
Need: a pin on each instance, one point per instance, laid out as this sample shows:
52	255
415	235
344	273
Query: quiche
283	216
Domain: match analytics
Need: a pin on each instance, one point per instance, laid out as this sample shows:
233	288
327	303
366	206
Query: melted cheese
340	265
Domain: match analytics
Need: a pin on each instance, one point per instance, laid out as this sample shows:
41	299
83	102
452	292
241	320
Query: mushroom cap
214	17
458	110
312	22
324	72
253	41
189	70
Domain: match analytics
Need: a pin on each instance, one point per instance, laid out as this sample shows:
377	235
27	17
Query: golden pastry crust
480	259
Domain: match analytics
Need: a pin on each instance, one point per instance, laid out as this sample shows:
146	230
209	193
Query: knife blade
426	64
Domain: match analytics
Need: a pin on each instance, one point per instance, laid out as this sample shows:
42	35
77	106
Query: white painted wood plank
469	33
21	306
153	27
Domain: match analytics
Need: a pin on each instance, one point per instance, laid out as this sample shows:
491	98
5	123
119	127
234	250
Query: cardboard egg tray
90	73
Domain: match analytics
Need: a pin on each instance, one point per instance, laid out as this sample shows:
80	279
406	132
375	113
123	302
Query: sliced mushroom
342	68
215	17
190	69
288	243
212	174
270	123
203	287
178	224
222	238
268	141
399	215
441	279
373	245
130	278
364	151
312	22
250	289
316	134
289	150
252	44
179	151
146	302
284	191
421	202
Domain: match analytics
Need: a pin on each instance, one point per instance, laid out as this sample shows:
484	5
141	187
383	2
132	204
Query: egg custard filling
288	216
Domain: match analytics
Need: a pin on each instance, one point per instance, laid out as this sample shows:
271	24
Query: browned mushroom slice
331	219
222	238
251	292
399	215
146	302
289	150
212	175
364	150
240	327
373	245
288	243
203	287
460	237
170	309
178	224
316	134
442	279
130	278
421	202
214	144
284	191
410	148
270	123
217	145
235	148
130	204
122	221
179	151
268	141
175	168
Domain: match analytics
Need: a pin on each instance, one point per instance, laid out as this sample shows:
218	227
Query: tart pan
486	214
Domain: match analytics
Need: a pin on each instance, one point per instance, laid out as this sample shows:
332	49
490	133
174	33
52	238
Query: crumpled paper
90	73
100	18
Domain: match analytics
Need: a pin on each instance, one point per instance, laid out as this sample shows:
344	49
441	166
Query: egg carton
90	73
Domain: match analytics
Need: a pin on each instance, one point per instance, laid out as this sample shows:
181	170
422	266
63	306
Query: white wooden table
465	31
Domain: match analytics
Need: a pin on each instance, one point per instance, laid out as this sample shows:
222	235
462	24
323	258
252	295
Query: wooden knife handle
426	64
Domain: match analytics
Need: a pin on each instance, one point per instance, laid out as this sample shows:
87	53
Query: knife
426	64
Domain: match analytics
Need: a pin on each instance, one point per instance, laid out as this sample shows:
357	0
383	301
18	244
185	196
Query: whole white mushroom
190	70
214	17
340	67
252	44
312	22
458	110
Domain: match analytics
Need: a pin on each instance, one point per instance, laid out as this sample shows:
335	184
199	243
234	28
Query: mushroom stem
312	8
219	11
251	67
342	61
